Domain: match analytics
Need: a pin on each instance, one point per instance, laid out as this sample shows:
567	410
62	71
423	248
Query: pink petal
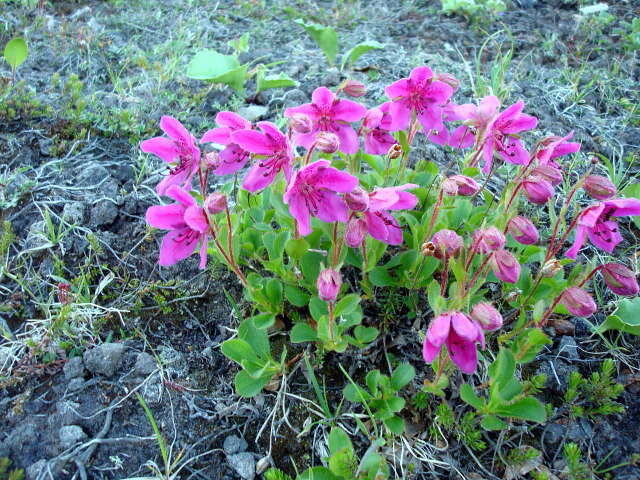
196	219
460	112
305	139
440	136
394	231
429	351
323	98
232	120
372	118
464	355
406	201
439	329
203	253
176	246
232	159
581	233
307	109
439	92
299	211
175	129
398	89
253	141
179	195
272	132
521	123
376	226
221	135
332	208
489	105
167	217
605	235
565	149
461	137
421	74
400	116
624	206
333	179
349	142
258	178
162	147
509	114
431	119
378	144
348	111
464	327
383	199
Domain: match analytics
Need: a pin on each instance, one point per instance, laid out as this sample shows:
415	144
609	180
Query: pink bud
355	231
460	185
300	123
505	266
523	230
212	160
447	243
353	88
537	189
357	199
327	142
549	173
329	282
599	187
578	302
487	316
395	151
620	279
216	203
449	79
488	240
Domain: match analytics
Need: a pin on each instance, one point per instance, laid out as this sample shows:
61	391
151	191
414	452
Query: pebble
253	112
74	368
73	212
103	213
234	444
145	365
69	435
568	348
244	464
104	359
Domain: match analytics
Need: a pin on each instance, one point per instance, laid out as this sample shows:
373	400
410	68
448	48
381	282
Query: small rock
46	145
234	444
123	173
36	238
554	434
568	348
70	435
253	112
580	431
152	389
66	413
23	434
33	471
74	368
331	78
75	384
103	213
145	365
173	361
244	464
104	359
295	97
557	372
73	212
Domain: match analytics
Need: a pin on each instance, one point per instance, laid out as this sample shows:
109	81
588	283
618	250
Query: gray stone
253	112
36	238
152	389
557	372
244	464
73	212
33	471
331	78
104	359
145	365
103	213
66	414
74	368
295	97
580	431
46	145
554	433
69	435
20	436
234	444
75	384
173	361
568	348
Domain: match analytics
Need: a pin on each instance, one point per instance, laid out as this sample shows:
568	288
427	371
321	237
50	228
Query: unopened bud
488	240
487	316
216	203
395	151
300	123
357	199
620	279
549	173
428	249
460	185
449	79
599	187
329	282
447	243
354	88
578	301
537	189
212	160
355	231
505	266
551	268
327	142
523	230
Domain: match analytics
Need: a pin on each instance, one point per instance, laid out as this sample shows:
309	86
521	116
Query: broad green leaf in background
325	37
633	190
218	68
626	317
402	375
264	82
15	52
356	52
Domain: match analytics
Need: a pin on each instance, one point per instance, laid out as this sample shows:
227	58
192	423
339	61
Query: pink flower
523	230
233	157
537	189
447	243
599	187
312	191
377	220
505	266
216	203
554	147
377	139
487	316
460	335
187	224
596	223
620	279
460	185
354	88
420	94
274	154
579	302
357	199
488	240
551	174
180	147
328	284
329	114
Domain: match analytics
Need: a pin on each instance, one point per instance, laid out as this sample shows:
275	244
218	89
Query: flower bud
449	79
549	173
620	279
487	316
551	268
523	230
395	151
512	296
447	243
460	185
329	282
355	231
327	142
537	189
354	88
357	199
428	249
300	123
488	240
216	203
212	160
599	187
578	301
505	266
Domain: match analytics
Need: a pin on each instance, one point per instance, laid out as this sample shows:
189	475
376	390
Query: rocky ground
74	187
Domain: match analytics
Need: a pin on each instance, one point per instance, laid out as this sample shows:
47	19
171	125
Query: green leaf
318	308
264	82
356	52
318	473
365	334
302	332
273	291
402	375
209	65
491	422
339	440
325	37
256	337
381	277
633	190
525	409
347	304
263	321
296	296
625	318
469	396
372	379
356	394
503	369
238	350
296	247
247	386
310	265
240	44
528	344
16	52
394	424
